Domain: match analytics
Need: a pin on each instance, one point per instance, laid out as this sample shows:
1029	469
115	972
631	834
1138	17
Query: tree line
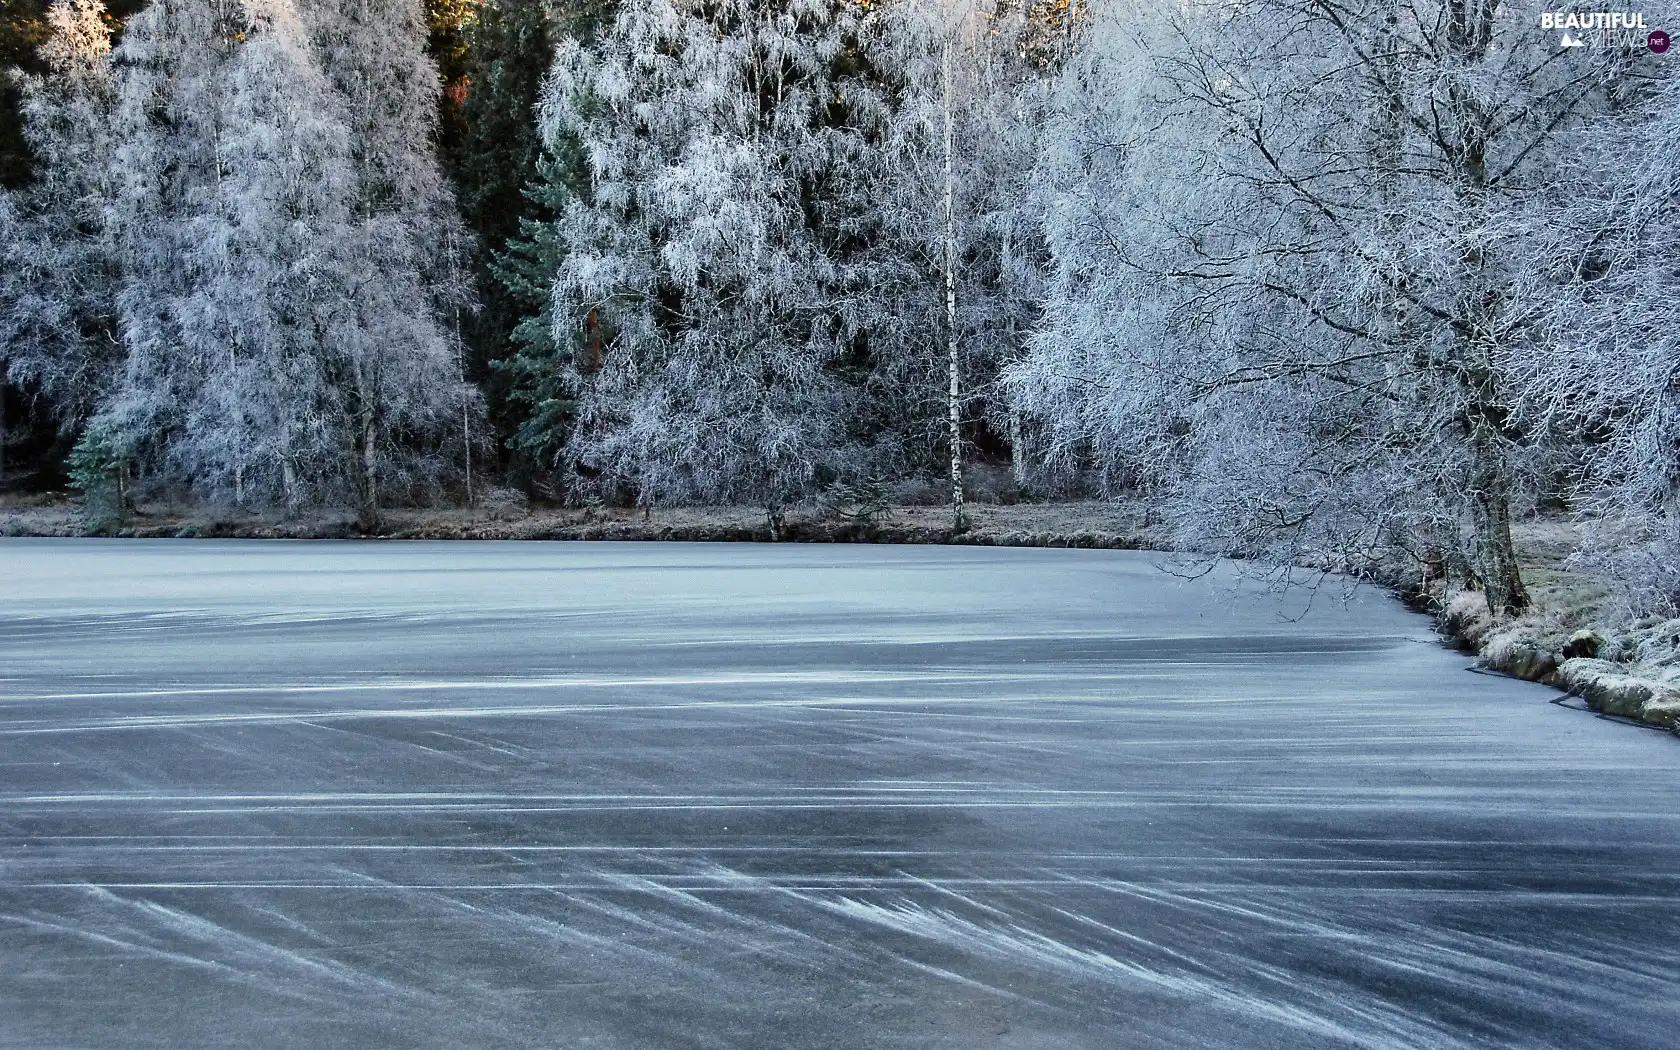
1348	284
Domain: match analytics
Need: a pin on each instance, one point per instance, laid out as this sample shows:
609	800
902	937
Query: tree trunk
959	522
466	440
368	515
360	426
1491	499
1469	35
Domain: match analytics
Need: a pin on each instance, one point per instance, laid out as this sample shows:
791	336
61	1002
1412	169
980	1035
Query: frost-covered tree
705	285
57	269
286	250
1292	254
400	365
236	189
1607	373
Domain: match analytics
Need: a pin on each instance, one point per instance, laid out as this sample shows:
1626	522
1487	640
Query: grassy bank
1085	524
1576	636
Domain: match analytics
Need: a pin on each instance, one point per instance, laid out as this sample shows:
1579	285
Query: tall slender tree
959	215
400	364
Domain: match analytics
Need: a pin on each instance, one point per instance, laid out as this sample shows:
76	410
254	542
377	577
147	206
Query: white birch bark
953	347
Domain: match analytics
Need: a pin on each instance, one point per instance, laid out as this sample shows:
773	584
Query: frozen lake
646	796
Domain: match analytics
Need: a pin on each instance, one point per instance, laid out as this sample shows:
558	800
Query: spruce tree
492	153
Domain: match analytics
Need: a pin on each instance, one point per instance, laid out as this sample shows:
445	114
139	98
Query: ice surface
640	796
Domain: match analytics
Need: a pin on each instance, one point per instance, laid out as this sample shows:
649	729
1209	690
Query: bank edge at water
1535	649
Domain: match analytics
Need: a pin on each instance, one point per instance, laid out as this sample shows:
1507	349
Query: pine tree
509	191
539	370
23	28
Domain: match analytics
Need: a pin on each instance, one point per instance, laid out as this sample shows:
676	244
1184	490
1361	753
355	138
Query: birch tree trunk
363	438
954	361
466	411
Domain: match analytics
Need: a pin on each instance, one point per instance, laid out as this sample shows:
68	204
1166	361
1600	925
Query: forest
1341	283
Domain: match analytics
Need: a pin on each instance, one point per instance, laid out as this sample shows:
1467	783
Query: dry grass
501	517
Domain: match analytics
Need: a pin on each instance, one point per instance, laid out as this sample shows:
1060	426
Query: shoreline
1549	645
1088	525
